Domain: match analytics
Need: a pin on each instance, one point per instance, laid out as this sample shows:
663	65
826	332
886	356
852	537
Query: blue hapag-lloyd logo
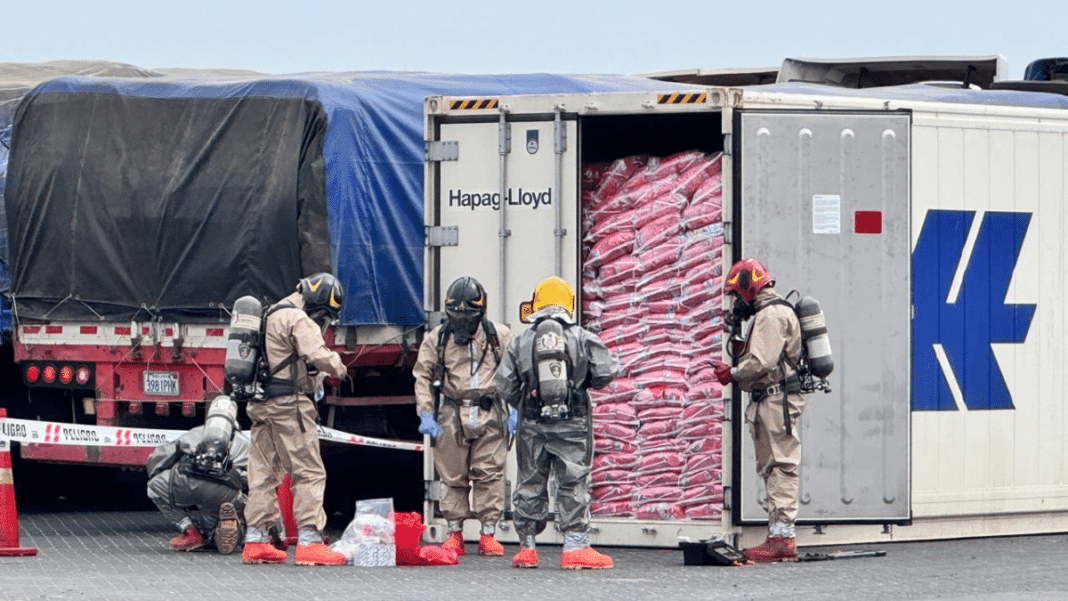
977	317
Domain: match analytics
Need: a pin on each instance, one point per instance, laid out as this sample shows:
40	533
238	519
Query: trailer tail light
60	374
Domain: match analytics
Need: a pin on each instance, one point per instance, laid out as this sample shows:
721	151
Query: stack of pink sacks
652	282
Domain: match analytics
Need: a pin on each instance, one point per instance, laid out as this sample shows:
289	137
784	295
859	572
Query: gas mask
464	324
739	312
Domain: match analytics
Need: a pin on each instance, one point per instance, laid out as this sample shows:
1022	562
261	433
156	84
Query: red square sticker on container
868	222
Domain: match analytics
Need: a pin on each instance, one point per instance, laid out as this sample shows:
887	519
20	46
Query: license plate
161	383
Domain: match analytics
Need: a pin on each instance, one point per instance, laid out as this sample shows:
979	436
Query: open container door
823	201
499	213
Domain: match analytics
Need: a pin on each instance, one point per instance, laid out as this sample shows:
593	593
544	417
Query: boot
455	542
526	558
190	540
487	545
585	559
773	549
228	534
262	553
318	554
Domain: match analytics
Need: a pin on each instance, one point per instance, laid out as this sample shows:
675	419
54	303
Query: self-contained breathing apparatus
211	459
816	362
245	367
552	396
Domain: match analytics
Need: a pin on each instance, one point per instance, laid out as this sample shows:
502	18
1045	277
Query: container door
505	211
823	200
496	211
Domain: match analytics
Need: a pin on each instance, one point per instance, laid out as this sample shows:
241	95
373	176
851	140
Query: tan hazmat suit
284	432
471	450
774	337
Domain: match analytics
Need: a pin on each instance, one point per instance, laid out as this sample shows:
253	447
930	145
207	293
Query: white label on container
826	214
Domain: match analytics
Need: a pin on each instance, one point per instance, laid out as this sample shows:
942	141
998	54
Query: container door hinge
442	235
442	150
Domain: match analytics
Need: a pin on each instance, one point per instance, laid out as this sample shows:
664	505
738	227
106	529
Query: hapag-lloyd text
459	199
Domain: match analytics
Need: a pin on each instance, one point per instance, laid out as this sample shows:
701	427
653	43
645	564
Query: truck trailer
139	208
927	220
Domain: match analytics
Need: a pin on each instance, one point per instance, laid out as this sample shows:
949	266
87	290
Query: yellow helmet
550	291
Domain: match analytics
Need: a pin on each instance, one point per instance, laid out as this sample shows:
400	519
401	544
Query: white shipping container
928	222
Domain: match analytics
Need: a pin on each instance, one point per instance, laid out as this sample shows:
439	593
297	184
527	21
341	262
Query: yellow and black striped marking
464	104
687	98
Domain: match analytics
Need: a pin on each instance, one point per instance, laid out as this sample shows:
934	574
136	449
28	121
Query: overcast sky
553	36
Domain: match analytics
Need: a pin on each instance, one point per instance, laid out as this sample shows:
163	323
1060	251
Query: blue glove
428	425
513	421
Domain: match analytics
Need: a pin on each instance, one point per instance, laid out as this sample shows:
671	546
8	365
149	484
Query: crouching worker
544	374
198	481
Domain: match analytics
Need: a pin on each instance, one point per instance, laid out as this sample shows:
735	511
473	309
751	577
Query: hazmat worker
198	481
544	374
284	432
766	361
460	410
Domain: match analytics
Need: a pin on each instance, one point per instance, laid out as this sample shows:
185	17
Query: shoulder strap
292	358
491	337
443	339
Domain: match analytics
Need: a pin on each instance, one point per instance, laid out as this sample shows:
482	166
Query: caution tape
34	432
338	436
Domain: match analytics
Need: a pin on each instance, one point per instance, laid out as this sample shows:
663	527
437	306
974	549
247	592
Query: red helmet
746	279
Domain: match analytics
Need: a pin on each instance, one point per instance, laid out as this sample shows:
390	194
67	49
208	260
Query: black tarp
128	207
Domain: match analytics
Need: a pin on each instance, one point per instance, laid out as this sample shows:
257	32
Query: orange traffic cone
9	516
285	506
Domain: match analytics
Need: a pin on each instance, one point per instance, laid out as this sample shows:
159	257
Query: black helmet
465	306
323	296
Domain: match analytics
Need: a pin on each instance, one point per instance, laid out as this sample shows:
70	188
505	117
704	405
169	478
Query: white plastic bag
369	538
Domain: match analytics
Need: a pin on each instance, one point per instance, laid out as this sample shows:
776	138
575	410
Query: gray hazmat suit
559	448
187	497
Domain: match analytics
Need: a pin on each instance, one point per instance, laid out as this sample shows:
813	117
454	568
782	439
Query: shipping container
926	218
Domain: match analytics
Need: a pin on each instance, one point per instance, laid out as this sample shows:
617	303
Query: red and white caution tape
31	431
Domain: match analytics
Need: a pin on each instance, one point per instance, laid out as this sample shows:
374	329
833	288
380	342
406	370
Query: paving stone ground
123	555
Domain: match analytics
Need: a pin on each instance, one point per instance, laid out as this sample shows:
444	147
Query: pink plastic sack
619	509
668	478
657	462
657	232
620	413
614	430
611	492
704	511
660	511
612	477
614	461
612	247
655	494
659	256
592	174
623	268
611	445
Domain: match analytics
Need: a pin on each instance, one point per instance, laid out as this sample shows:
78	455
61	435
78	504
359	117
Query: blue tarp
373	151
